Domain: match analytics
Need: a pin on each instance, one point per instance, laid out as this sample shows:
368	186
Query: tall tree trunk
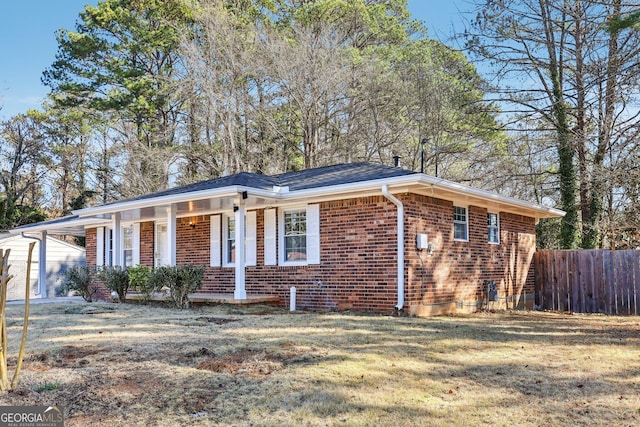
580	111
591	230
564	145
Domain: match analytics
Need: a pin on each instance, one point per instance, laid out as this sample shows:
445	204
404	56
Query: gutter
400	206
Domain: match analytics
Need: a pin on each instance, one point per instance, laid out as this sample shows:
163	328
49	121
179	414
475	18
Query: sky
28	44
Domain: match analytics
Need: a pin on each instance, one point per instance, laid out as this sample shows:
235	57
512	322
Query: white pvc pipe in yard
292	299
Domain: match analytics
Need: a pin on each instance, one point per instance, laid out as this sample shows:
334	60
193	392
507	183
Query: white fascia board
420	180
44	226
231	191
354	187
489	196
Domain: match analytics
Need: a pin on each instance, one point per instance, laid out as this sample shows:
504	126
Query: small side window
229	242
493	228
127	246
460	224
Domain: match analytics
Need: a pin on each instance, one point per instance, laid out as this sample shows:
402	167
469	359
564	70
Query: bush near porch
178	281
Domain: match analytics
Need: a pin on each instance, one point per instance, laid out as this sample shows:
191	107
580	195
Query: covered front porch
116	238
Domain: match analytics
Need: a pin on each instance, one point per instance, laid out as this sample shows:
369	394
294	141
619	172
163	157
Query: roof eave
66	228
404	182
332	192
231	191
542	211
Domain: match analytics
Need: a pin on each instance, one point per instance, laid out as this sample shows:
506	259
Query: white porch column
171	235
116	233
240	291
42	265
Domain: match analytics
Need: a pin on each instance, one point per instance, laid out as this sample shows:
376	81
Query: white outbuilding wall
60	256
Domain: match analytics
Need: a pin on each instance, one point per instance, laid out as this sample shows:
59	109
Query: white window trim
311	235
215	229
466	223
249	239
135	242
498	227
156	249
108	251
225	239
100	246
270	237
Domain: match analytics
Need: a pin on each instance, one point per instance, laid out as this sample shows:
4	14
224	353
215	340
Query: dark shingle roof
245	179
301	180
338	174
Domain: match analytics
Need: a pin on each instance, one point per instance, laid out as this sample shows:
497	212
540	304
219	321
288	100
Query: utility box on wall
422	241
492	290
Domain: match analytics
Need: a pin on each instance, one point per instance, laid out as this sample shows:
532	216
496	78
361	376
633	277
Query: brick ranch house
356	236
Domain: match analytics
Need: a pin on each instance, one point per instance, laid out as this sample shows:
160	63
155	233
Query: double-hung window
229	240
298	235
295	235
129	236
224	239
127	246
104	246
130	245
493	228
460	224
108	246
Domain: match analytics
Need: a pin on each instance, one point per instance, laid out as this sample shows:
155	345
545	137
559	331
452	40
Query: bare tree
554	61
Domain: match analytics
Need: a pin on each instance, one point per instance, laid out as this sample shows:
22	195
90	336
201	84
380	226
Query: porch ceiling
192	208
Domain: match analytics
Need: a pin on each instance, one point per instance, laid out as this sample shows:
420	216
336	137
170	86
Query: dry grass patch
128	365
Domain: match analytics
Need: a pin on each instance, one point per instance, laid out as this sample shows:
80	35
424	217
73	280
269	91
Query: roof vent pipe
396	161
400	206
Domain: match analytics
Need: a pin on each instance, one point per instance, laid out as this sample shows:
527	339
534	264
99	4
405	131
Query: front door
161	252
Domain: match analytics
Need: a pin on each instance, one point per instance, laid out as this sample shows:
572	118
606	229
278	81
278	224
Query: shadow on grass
149	366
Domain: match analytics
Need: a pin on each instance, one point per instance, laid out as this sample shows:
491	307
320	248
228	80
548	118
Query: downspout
40	262
400	206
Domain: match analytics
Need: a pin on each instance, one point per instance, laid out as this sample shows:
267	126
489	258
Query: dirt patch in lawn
216	320
249	362
128	365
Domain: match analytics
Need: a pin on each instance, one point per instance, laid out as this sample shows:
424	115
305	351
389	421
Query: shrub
116	279
46	386
80	279
140	281
181	281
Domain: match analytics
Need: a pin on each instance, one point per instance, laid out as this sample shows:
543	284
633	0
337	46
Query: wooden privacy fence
588	281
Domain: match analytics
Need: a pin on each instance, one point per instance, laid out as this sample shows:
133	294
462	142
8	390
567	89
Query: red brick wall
358	262
147	244
456	270
357	267
91	236
192	240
